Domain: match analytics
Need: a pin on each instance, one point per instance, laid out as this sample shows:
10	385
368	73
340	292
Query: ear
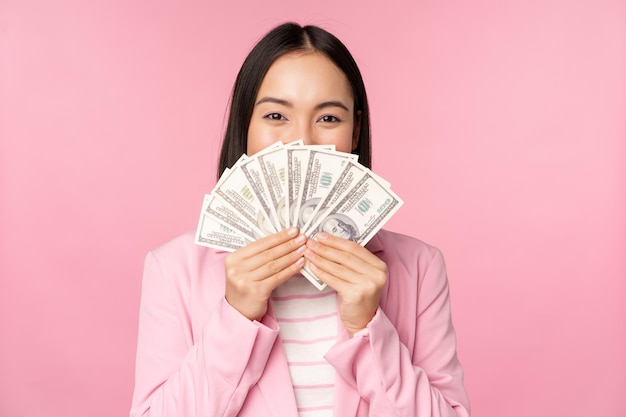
356	132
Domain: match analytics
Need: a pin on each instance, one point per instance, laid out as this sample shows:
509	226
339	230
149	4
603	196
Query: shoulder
412	263
184	279
181	254
183	245
393	245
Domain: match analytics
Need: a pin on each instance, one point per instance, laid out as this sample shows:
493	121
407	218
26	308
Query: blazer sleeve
178	376
426	381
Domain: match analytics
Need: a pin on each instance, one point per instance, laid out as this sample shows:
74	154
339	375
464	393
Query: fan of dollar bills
312	187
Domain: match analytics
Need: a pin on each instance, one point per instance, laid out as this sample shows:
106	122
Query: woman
243	334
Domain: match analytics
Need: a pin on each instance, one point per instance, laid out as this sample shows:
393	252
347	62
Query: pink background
501	125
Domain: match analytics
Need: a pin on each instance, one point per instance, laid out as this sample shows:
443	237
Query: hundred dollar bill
273	166
357	216
309	186
214	234
322	171
297	162
298	142
252	169
278	180
223	212
360	213
352	172
319	284
235	189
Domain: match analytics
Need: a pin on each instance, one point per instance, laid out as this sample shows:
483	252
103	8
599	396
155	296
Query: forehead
302	76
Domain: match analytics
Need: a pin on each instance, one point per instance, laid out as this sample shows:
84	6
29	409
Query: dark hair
289	37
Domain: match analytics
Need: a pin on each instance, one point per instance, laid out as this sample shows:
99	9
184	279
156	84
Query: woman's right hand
253	271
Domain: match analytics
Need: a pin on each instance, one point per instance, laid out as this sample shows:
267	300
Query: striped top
308	328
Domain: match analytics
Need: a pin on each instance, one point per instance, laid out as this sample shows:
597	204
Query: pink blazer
198	356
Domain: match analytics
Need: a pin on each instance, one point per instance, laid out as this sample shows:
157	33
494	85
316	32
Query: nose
305	132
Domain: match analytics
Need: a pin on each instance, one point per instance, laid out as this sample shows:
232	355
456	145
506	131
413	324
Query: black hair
289	37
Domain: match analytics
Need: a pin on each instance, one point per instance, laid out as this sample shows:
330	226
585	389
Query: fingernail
309	254
301	249
300	261
292	231
322	236
300	239
312	244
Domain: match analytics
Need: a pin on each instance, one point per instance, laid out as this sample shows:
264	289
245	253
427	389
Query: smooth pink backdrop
501	125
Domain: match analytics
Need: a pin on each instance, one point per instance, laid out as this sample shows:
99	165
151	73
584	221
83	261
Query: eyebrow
325	104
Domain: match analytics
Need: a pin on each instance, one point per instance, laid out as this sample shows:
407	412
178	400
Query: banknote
297	162
323	169
274	169
223	212
306	272
214	234
313	187
238	191
360	213
274	166
351	173
298	143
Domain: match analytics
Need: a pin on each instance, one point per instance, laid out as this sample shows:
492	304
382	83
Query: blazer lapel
347	398
275	383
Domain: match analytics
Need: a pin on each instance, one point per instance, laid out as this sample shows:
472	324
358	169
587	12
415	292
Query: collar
374	245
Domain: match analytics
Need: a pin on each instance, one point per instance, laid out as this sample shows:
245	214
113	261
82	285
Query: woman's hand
253	271
355	273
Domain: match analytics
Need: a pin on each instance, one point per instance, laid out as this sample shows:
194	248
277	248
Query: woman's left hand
354	272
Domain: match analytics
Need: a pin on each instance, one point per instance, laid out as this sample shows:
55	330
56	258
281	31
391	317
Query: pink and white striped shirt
308	328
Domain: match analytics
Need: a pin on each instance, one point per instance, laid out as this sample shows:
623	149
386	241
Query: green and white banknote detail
312	187
215	234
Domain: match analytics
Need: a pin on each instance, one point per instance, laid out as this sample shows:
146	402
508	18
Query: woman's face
303	96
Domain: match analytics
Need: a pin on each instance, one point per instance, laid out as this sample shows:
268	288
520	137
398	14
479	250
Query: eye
329	119
275	116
